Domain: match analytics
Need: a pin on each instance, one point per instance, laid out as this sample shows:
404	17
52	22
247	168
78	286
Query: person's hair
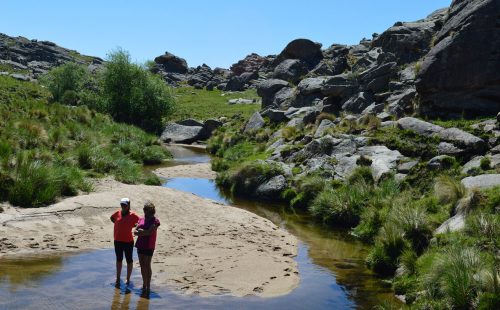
149	207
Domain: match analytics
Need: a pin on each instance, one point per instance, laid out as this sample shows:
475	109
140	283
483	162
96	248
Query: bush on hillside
126	91
65	81
133	94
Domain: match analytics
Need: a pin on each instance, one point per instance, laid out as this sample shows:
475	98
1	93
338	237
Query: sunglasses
123	204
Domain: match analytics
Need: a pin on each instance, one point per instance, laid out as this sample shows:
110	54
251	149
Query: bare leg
118	271
143	269
130	266
148	272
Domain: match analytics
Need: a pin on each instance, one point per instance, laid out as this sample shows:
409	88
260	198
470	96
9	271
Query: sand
202	171
203	247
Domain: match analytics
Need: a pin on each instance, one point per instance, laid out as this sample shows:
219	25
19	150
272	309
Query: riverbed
330	264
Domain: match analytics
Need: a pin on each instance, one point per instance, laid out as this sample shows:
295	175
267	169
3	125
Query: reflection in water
121	300
18	272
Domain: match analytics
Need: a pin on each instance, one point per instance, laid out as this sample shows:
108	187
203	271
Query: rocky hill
27	59
445	65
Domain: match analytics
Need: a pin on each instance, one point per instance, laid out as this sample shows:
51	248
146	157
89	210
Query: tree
65	81
133	94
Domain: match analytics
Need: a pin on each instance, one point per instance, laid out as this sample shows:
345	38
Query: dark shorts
124	247
147	252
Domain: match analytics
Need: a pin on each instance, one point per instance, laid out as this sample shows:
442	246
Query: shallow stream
331	267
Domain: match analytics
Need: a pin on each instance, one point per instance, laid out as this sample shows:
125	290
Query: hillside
51	150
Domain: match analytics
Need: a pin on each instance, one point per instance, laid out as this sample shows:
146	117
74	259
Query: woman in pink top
145	244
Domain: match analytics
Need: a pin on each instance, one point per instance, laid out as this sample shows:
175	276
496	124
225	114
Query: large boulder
272	188
311	85
290	70
377	78
483	181
461	73
210	125
268	88
462	139
342	86
171	63
284	97
358	102
384	160
182	134
303	49
401	102
254	123
419	126
235	83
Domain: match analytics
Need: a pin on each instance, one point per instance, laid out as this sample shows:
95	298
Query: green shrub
485	163
408	262
379	261
64	82
127	171
84	155
370	223
71	180
452	277
308	188
154	155
34	185
341	206
383	258
323	115
414	223
361	174
290	133
152	179
364	161
133	94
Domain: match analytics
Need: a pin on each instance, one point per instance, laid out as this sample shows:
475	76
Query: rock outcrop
34	58
461	73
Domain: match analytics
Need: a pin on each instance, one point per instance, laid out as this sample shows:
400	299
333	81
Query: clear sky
216	32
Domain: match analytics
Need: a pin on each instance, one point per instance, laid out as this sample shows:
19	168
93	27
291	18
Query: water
331	267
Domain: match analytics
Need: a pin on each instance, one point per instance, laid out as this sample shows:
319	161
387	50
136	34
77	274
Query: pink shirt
147	242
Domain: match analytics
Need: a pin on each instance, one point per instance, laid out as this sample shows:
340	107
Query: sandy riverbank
203	247
202	171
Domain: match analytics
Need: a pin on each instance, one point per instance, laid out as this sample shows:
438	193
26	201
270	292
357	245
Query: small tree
133	94
65	81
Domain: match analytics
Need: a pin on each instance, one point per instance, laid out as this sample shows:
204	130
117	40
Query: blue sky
217	32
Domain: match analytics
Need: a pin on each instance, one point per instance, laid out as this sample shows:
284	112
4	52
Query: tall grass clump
454	277
448	190
341	206
35	184
307	188
389	244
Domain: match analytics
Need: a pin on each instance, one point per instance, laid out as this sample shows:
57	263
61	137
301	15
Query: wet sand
203	247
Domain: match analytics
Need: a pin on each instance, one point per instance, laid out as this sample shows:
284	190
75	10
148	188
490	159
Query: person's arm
147	232
113	217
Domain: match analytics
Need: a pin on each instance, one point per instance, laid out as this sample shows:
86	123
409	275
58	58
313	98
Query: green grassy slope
201	104
49	150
